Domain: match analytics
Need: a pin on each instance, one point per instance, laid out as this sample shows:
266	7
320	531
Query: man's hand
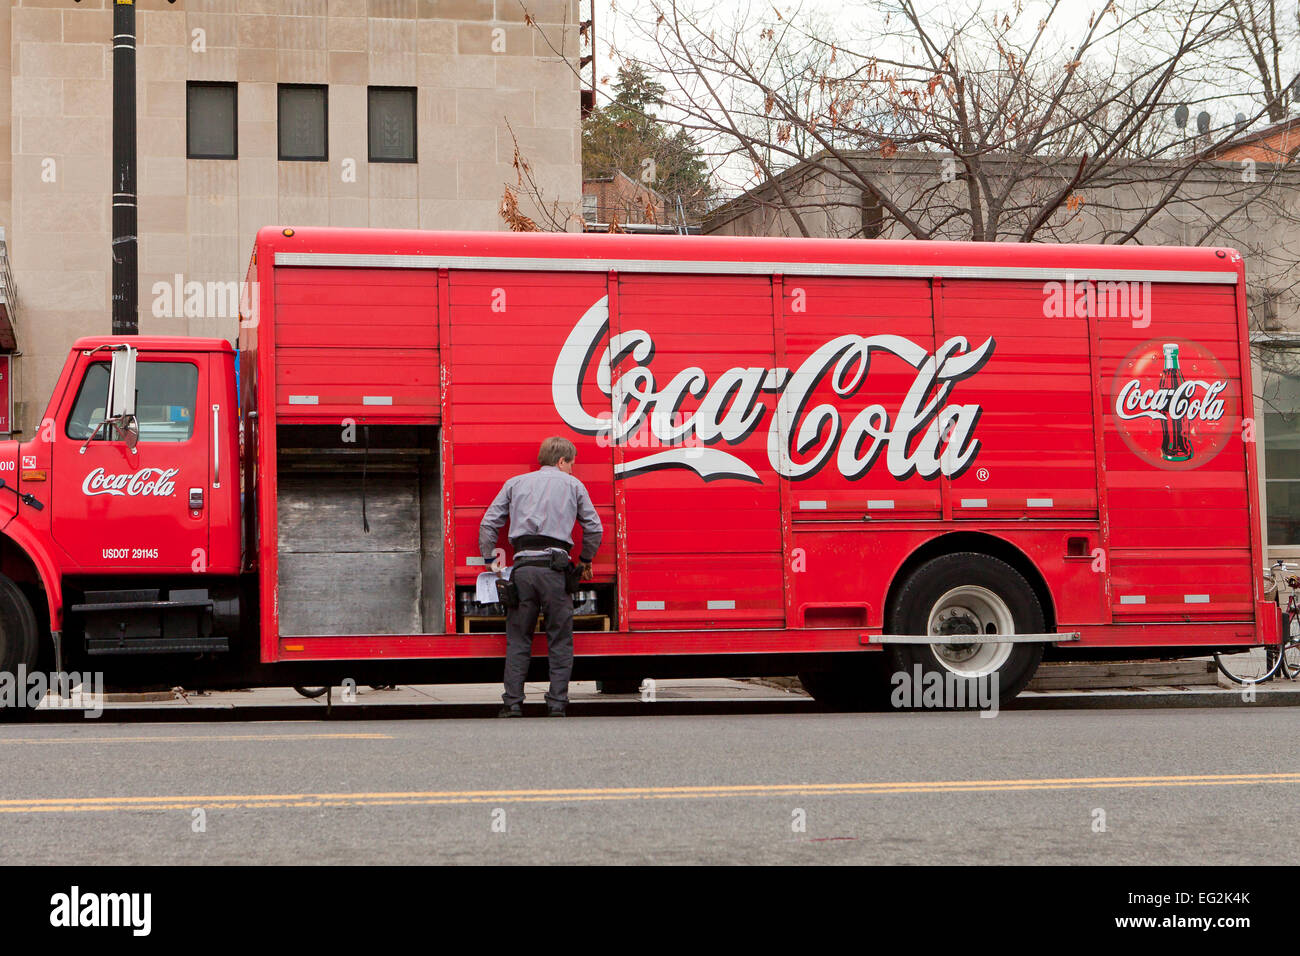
585	574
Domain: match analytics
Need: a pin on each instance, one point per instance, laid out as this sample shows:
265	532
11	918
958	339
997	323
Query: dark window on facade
1280	402
1263	307
211	121
392	124
304	122
873	216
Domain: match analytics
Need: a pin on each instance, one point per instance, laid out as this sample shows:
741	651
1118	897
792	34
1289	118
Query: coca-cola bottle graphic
1174	445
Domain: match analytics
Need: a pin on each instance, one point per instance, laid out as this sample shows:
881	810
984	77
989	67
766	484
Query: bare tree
1261	51
1030	121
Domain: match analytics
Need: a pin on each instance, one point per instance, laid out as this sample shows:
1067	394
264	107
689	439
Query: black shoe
555	711
510	710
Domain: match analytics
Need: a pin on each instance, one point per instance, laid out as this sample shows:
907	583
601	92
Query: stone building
1246	195
381	113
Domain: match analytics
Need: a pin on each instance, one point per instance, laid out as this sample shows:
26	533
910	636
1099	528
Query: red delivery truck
810	456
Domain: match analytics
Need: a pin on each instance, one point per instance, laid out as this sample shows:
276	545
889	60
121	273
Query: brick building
1279	143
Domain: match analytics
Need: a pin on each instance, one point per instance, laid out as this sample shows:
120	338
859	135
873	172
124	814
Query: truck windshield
164	405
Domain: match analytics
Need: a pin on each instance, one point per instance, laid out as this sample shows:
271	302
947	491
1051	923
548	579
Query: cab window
165	395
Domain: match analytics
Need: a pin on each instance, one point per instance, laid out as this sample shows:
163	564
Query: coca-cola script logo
1175	404
147	481
923	436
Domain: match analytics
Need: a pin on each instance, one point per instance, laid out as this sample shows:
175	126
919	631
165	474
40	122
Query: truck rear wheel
18	641
852	685
958	594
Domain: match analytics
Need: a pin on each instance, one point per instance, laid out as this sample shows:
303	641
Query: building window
211	121
304	123
392	124
873	216
1279	402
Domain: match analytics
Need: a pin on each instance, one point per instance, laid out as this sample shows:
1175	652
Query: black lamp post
125	246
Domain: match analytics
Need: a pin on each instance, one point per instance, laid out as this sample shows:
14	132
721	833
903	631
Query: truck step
154	645
137	606
146	622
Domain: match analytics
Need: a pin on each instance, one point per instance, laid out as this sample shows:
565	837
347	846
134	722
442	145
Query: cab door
118	509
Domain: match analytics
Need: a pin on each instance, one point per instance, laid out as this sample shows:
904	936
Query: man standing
542	506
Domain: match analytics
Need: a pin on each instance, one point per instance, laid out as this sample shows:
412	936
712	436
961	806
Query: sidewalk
706	689
706	695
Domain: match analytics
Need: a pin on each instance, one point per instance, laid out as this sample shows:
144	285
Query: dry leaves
515	219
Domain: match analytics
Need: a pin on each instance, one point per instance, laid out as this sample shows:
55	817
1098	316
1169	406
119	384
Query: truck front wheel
18	644
956	595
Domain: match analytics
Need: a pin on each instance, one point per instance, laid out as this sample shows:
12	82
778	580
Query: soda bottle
1174	445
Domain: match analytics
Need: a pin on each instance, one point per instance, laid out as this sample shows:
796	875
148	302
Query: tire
621	685
960	594
311	692
1252	665
854	685
18	636
1291	645
1291	660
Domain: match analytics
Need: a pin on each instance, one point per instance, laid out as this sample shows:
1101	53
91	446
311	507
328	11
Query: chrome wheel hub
969	610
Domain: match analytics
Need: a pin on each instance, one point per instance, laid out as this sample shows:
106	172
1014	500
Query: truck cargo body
778	436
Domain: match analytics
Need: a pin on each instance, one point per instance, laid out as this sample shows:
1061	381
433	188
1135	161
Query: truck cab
126	499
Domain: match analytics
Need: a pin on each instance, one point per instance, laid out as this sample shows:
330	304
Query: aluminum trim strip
713	267
975	638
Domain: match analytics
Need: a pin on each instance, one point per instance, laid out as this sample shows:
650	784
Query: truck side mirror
121	384
120	407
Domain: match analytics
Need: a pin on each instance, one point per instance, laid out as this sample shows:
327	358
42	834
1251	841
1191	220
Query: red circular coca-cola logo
1174	403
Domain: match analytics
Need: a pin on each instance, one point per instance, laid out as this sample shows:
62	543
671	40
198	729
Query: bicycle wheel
1290	665
1251	665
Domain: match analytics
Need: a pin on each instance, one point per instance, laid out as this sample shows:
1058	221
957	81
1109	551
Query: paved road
1176	786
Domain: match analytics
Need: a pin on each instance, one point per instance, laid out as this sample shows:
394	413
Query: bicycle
1255	665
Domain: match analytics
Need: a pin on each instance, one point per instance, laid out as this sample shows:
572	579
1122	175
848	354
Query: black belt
527	542
541	562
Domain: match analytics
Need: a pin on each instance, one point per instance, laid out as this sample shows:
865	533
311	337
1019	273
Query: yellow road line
188	738
425	798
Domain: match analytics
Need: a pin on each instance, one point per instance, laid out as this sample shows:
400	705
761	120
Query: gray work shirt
543	502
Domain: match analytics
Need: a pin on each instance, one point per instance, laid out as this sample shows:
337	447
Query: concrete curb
312	710
617	707
1148	699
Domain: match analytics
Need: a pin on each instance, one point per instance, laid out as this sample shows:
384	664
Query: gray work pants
539	588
